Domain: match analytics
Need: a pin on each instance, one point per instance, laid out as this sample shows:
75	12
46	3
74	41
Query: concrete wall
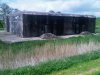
15	24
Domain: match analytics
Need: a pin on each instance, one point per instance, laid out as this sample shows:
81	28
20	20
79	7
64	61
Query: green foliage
96	73
54	65
1	24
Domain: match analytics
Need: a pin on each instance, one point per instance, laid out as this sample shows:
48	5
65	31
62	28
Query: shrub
1	24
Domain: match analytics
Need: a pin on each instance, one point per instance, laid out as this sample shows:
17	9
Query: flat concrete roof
52	14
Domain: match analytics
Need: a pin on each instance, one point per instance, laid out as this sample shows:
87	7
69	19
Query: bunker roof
51	13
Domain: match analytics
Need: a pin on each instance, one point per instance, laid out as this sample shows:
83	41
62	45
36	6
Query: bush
1	24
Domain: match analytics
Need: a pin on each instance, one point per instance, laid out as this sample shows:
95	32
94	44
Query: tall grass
54	65
26	46
31	53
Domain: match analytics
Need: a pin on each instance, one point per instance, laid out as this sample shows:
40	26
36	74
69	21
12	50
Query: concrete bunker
34	24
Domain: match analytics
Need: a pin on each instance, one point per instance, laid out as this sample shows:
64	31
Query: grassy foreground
31	45
33	52
86	68
56	65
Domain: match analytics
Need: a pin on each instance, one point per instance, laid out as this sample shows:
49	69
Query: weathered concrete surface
11	38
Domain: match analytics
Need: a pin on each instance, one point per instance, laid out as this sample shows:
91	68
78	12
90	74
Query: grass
97	30
33	52
26	46
97	21
96	73
86	68
97	25
56	65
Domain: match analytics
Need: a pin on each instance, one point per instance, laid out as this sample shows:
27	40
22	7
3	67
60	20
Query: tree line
5	10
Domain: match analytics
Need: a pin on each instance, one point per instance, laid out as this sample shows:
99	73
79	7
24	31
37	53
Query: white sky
91	7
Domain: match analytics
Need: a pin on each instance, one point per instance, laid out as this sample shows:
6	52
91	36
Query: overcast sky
91	7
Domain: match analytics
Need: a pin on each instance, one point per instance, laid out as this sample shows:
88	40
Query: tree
5	10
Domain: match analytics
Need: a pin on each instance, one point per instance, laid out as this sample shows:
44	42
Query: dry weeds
44	53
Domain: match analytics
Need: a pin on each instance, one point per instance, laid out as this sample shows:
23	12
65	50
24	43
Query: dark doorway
52	24
59	25
30	27
76	25
83	24
56	25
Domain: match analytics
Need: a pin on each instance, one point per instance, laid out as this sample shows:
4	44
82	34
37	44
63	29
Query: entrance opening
59	25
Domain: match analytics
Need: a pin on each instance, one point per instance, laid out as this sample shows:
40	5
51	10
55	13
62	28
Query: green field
97	25
97	21
97	30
